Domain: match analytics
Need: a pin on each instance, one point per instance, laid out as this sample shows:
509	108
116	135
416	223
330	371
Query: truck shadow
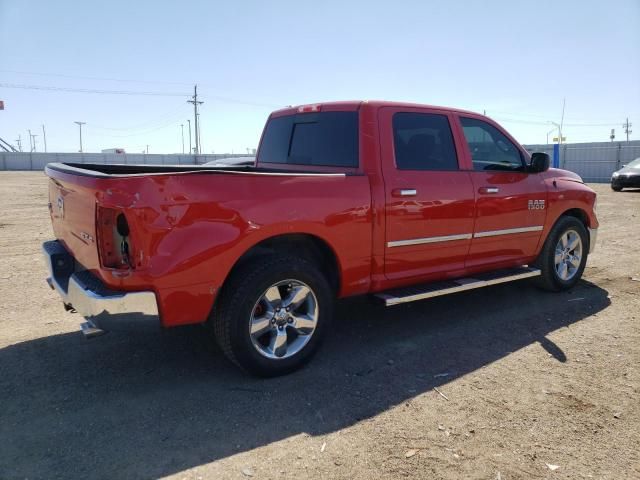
151	404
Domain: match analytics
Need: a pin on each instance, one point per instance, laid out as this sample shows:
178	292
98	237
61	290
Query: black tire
615	188
232	314
549	278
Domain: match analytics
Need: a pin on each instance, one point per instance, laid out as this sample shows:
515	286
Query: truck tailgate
73	210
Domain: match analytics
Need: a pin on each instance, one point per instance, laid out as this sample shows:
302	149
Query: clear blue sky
515	59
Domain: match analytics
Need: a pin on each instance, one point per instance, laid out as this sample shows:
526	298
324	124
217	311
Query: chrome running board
436	289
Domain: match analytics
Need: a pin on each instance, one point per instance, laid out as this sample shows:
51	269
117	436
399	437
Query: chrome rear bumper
104	309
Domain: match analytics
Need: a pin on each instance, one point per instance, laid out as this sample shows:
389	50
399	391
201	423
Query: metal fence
594	162
37	161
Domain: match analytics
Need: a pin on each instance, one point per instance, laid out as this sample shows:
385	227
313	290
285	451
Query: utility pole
44	137
190	149
195	103
562	120
626	126
198	136
32	141
550	131
80	125
182	134
147	152
19	142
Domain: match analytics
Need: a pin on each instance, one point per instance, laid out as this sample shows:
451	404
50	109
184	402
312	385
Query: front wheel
564	255
616	188
272	314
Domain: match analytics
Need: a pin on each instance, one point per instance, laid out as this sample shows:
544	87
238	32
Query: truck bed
119	170
190	224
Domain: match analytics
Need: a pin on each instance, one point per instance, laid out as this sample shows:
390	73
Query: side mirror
539	162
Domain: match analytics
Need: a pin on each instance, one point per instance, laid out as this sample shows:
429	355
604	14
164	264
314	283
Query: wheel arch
578	213
307	245
575	212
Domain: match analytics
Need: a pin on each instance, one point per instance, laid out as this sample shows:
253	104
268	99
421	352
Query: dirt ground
529	384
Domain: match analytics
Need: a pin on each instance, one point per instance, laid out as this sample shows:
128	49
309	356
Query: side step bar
436	289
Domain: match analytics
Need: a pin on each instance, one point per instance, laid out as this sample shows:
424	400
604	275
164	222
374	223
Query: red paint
189	229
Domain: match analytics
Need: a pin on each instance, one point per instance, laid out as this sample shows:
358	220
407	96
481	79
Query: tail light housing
114	239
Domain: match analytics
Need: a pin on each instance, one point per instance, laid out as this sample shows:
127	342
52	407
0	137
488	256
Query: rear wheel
564	255
272	314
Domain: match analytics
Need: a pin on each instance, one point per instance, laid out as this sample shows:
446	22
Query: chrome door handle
404	192
489	190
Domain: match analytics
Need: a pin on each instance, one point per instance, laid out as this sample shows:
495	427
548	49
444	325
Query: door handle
404	192
488	190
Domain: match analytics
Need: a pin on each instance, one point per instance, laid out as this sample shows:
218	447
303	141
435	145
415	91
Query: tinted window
423	141
490	149
320	139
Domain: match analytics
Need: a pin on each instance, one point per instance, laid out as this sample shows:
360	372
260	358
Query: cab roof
352	105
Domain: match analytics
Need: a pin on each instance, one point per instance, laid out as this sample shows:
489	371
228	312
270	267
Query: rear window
319	139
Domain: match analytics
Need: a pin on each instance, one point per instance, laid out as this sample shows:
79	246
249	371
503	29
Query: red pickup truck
397	200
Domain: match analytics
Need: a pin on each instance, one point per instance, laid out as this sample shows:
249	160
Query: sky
516	60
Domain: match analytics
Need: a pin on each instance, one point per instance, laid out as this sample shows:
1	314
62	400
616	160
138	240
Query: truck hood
559	174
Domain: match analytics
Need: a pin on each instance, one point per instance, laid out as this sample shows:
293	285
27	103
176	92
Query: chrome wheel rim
568	255
283	319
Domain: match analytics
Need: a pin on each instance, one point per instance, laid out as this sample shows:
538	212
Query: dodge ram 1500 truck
400	201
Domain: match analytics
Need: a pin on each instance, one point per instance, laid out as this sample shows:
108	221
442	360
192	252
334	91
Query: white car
232	162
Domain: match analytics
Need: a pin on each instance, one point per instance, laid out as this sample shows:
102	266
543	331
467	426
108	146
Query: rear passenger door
429	205
510	200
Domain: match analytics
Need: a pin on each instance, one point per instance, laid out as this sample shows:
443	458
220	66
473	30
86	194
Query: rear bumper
105	309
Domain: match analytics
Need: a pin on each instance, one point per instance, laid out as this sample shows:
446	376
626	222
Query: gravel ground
504	382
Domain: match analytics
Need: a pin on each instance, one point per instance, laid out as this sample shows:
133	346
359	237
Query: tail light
114	240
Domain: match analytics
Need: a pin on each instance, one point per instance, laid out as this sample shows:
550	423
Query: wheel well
579	214
307	246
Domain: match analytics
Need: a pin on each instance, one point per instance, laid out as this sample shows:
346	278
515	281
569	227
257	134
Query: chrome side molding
463	236
418	241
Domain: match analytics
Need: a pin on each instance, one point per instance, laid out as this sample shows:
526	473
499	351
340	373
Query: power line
144	132
219	98
144	125
533	122
79	77
540	122
131	92
89	90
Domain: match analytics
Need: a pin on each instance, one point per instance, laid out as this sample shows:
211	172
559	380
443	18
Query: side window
490	149
423	141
